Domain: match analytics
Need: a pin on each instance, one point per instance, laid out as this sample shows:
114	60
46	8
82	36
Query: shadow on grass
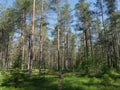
23	82
26	83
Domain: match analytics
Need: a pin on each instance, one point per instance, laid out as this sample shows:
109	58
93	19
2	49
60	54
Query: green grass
70	81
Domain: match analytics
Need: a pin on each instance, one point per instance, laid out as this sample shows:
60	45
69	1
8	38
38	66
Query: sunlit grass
71	81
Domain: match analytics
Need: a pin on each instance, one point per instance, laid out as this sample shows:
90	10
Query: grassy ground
70	81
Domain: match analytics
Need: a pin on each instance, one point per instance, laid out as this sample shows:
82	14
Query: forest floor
71	81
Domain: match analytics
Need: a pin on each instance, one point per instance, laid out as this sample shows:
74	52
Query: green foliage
17	63
69	75
86	66
95	69
69	82
113	73
94	80
15	78
106	79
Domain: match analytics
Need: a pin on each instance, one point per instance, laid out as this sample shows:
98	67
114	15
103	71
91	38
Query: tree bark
32	39
41	37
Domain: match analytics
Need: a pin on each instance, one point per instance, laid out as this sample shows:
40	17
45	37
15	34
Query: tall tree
112	28
84	18
31	40
83	14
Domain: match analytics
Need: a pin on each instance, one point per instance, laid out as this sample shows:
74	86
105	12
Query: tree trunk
58	48
7	53
32	39
85	43
41	37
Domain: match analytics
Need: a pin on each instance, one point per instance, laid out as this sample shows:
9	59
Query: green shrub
113	73
14	78
94	80
69	75
106	79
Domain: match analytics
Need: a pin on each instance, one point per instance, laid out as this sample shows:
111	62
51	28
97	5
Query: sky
8	3
71	2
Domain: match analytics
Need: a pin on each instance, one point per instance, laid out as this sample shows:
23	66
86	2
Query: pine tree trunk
58	48
32	39
41	37
85	43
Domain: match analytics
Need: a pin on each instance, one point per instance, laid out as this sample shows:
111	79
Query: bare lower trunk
41	37
32	39
85	44
58	48
7	53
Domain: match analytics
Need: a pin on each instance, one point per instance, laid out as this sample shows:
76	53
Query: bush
106	79
113	73
15	78
69	75
94	80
